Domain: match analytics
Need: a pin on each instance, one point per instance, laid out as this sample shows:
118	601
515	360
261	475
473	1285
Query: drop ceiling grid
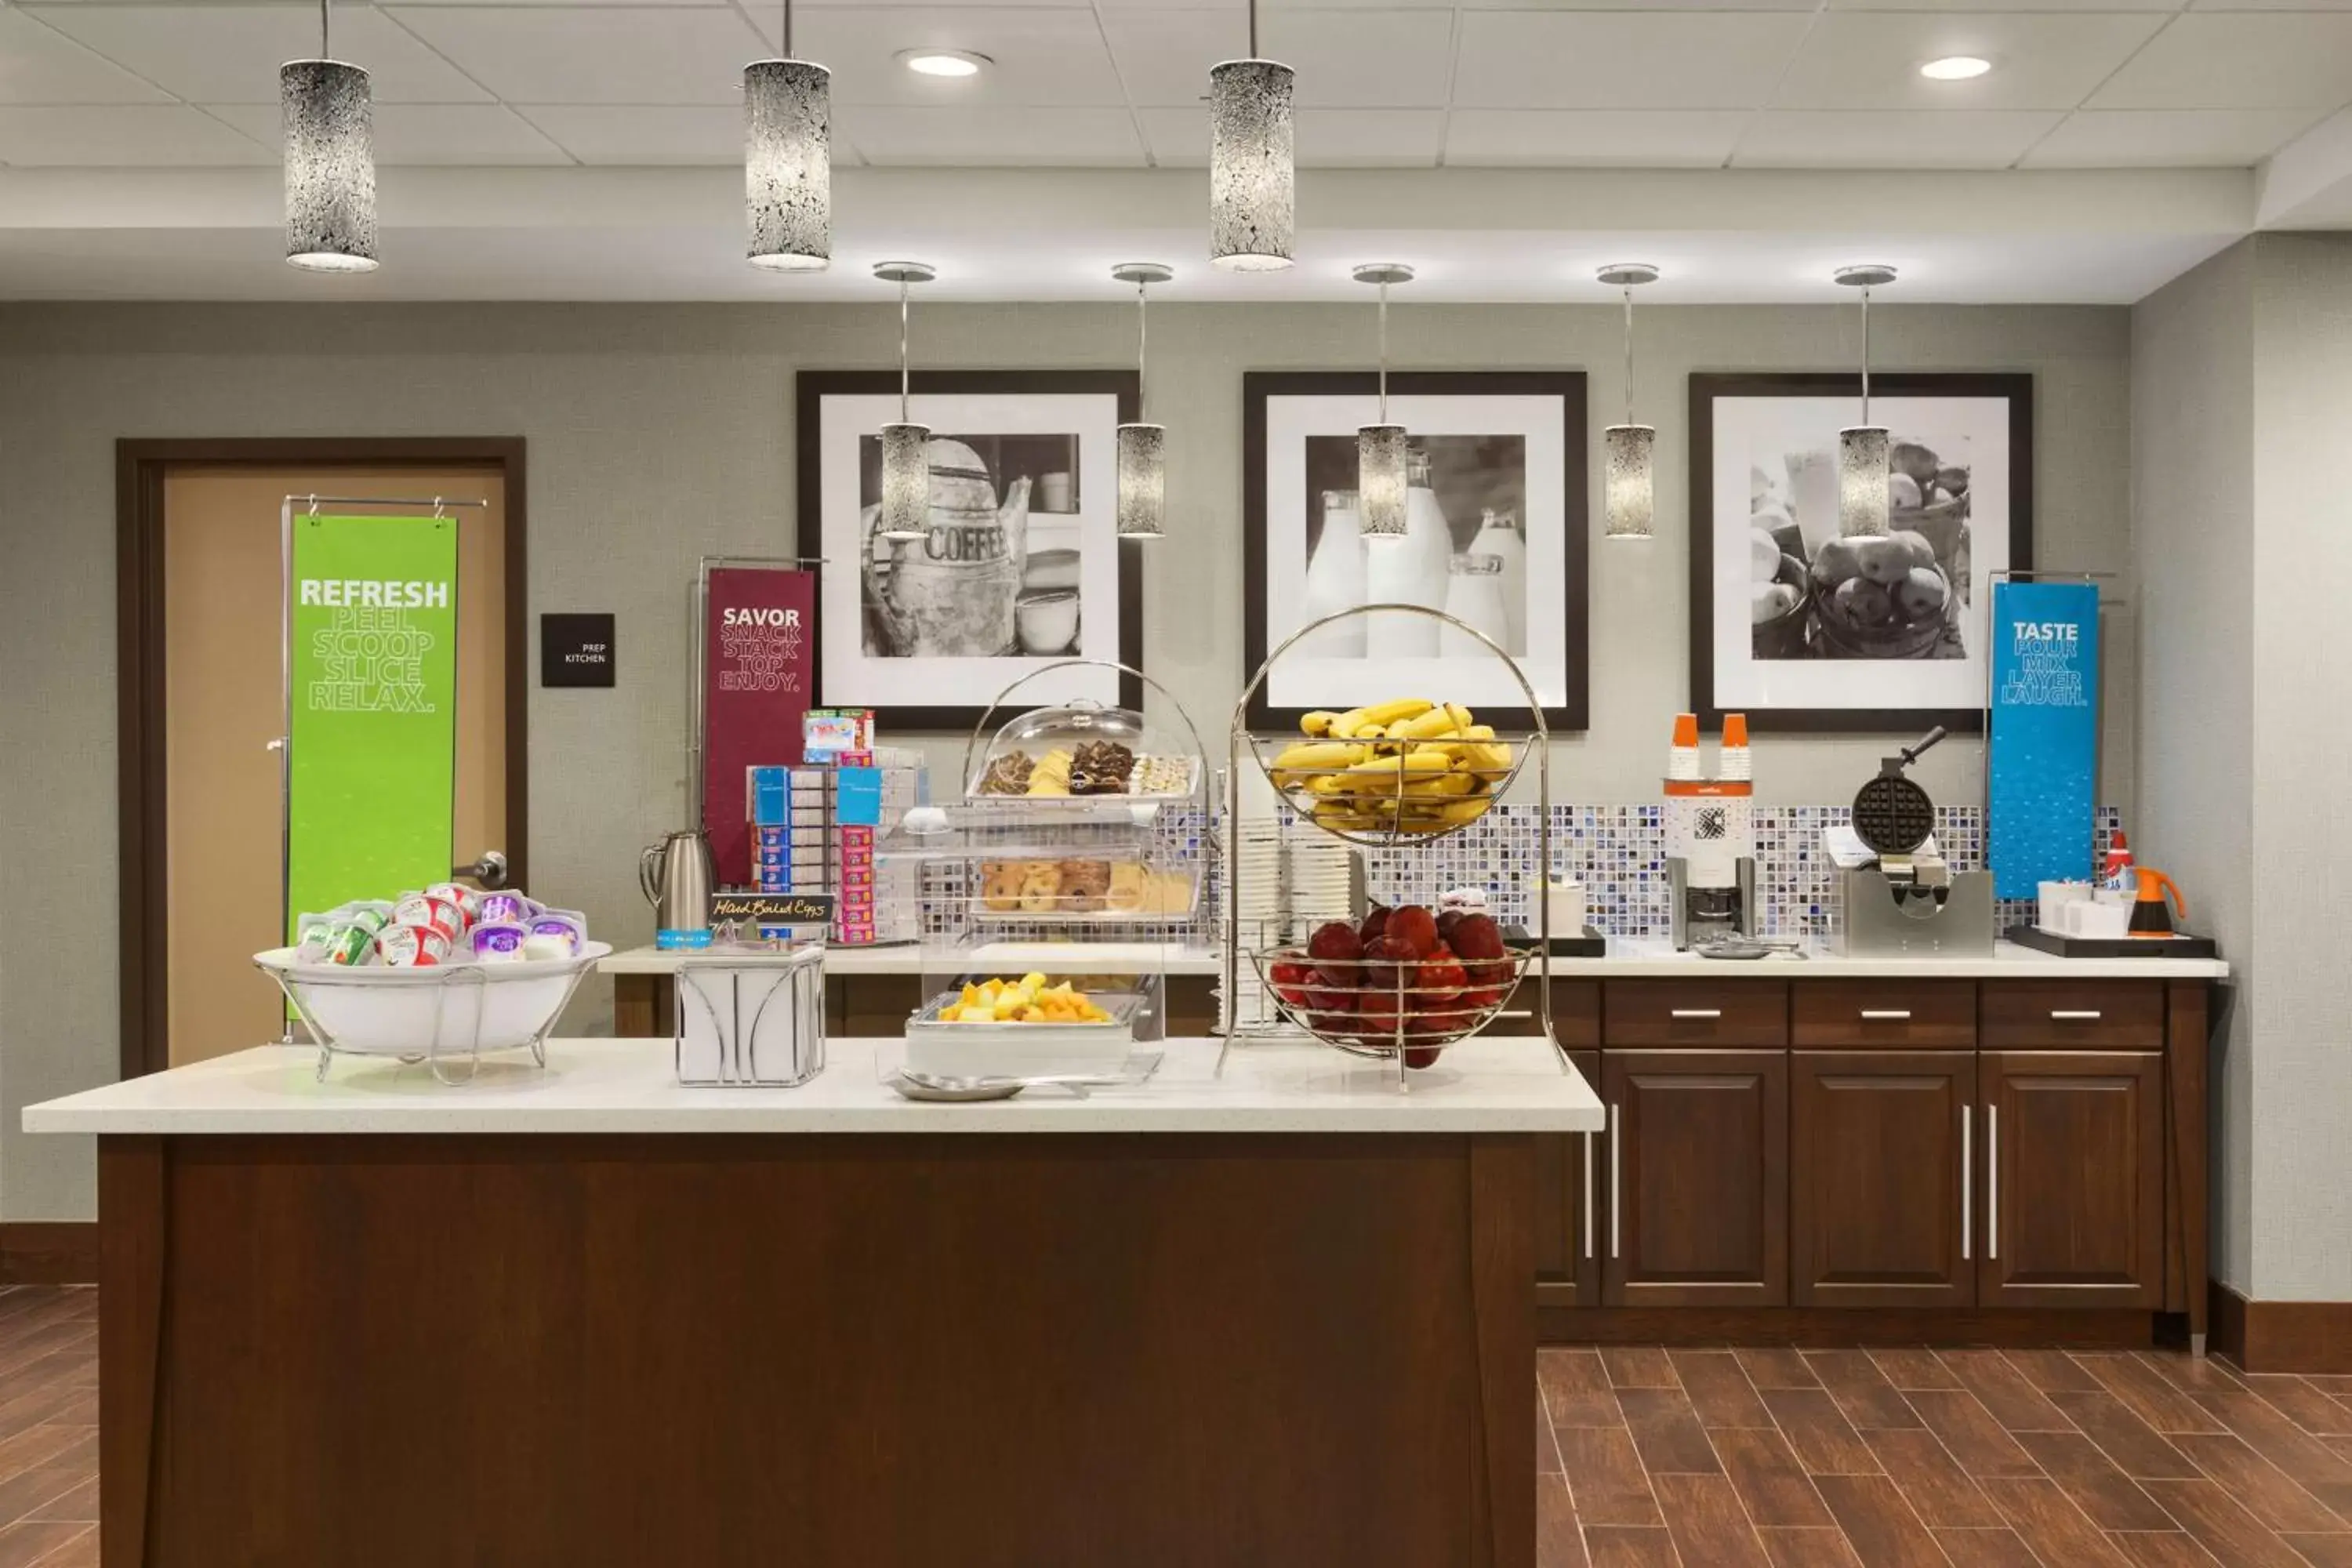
1714	83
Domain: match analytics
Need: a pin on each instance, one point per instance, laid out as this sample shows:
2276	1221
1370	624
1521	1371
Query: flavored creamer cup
570	925
498	941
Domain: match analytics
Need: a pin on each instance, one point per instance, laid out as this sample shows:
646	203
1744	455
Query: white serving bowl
434	1011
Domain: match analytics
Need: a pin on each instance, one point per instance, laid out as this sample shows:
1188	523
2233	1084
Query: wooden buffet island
591	1318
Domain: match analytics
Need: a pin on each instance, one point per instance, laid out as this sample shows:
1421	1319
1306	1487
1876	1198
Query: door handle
1992	1182
1887	1015
1967	1182
2076	1014
1587	1194
1615	1187
1696	1013
490	870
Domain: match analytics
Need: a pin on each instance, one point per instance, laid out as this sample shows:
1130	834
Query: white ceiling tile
1040	57
1327	138
1645	4
1350	59
1600	59
230	54
628	133
479	134
2155	6
2169	138
2238	61
38	65
1887	139
1871	60
134	134
599	55
2270	4
892	135
1631	138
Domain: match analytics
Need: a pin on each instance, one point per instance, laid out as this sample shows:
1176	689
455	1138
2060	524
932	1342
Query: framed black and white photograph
1802	629
1022	566
1494	537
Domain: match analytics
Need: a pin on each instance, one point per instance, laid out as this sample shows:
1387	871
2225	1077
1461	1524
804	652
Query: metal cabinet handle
1587	1194
1887	1015
1697	1013
1992	1182
2076	1015
1967	1182
1615	1186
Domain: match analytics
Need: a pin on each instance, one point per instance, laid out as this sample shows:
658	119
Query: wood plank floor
1706	1458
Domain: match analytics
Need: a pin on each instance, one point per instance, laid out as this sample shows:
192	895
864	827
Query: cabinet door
1568	1209
1879	1171
1695	1180
2073	1147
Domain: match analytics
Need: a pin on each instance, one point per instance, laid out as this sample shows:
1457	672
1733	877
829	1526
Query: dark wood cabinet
2073	1158
1880	1168
1694	1178
1698	1011
1568	1209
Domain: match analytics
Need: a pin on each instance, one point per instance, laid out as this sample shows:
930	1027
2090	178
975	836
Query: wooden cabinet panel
2074	1150
1894	1014
2073	1015
1568	1209
1576	1014
1879	1172
1696	1179
1698	1011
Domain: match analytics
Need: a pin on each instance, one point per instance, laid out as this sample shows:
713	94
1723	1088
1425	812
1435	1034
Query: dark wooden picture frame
1570	716
1706	388
811	388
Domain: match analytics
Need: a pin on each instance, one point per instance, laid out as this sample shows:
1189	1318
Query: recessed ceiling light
943	62
1955	68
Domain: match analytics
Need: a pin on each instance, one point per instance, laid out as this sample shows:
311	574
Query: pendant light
788	160
324	106
1862	449
1379	448
1253	174
1143	447
905	445
1628	491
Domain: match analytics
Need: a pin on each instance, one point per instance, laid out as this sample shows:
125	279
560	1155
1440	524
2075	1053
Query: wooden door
1568	1209
2073	1152
1695	1184
224	823
1880	1169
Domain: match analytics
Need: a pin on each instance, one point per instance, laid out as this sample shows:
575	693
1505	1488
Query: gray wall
2193	504
659	434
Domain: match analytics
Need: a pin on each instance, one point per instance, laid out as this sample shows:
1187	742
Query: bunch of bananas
1409	765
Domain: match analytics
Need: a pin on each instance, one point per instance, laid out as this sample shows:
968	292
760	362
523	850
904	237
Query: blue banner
2044	746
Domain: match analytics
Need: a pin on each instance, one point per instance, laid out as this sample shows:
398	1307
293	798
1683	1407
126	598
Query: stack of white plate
1289	882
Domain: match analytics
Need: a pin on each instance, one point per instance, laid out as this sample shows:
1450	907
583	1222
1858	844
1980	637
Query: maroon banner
759	637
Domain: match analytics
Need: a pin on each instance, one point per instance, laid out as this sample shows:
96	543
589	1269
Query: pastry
1084	883
1160	775
1125	893
1041	887
1007	774
1101	767
1052	773
1000	883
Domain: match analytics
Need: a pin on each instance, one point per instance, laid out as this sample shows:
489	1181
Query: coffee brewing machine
1710	838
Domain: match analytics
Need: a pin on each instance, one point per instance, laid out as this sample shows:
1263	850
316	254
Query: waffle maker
1909	903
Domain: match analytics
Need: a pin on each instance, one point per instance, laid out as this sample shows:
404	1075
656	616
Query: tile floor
1704	1459
48	1427
1722	1458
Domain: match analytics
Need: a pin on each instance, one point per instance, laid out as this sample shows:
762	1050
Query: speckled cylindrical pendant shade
1142	480
788	165
330	166
1252	169
1862	480
1381	480
1628	492
906	483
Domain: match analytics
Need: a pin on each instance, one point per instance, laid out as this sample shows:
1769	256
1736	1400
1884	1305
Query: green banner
373	750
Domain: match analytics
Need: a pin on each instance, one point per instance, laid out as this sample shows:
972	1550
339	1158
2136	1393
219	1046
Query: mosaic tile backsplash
1619	852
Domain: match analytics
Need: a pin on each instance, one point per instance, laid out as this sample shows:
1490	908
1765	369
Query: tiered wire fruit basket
1399	774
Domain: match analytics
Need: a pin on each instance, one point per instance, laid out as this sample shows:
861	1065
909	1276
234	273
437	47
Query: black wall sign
576	650
772	908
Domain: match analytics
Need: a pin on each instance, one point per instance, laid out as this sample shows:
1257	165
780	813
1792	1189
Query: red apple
1439	979
1418	1058
1376	920
1446	921
1291	980
1335	947
1415	927
1330	1012
1479	941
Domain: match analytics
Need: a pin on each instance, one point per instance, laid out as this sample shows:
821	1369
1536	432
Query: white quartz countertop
1626	959
628	1086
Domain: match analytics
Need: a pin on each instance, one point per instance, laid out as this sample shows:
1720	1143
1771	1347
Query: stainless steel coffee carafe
676	876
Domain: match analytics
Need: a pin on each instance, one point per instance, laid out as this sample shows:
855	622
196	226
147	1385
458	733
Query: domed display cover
1081	749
